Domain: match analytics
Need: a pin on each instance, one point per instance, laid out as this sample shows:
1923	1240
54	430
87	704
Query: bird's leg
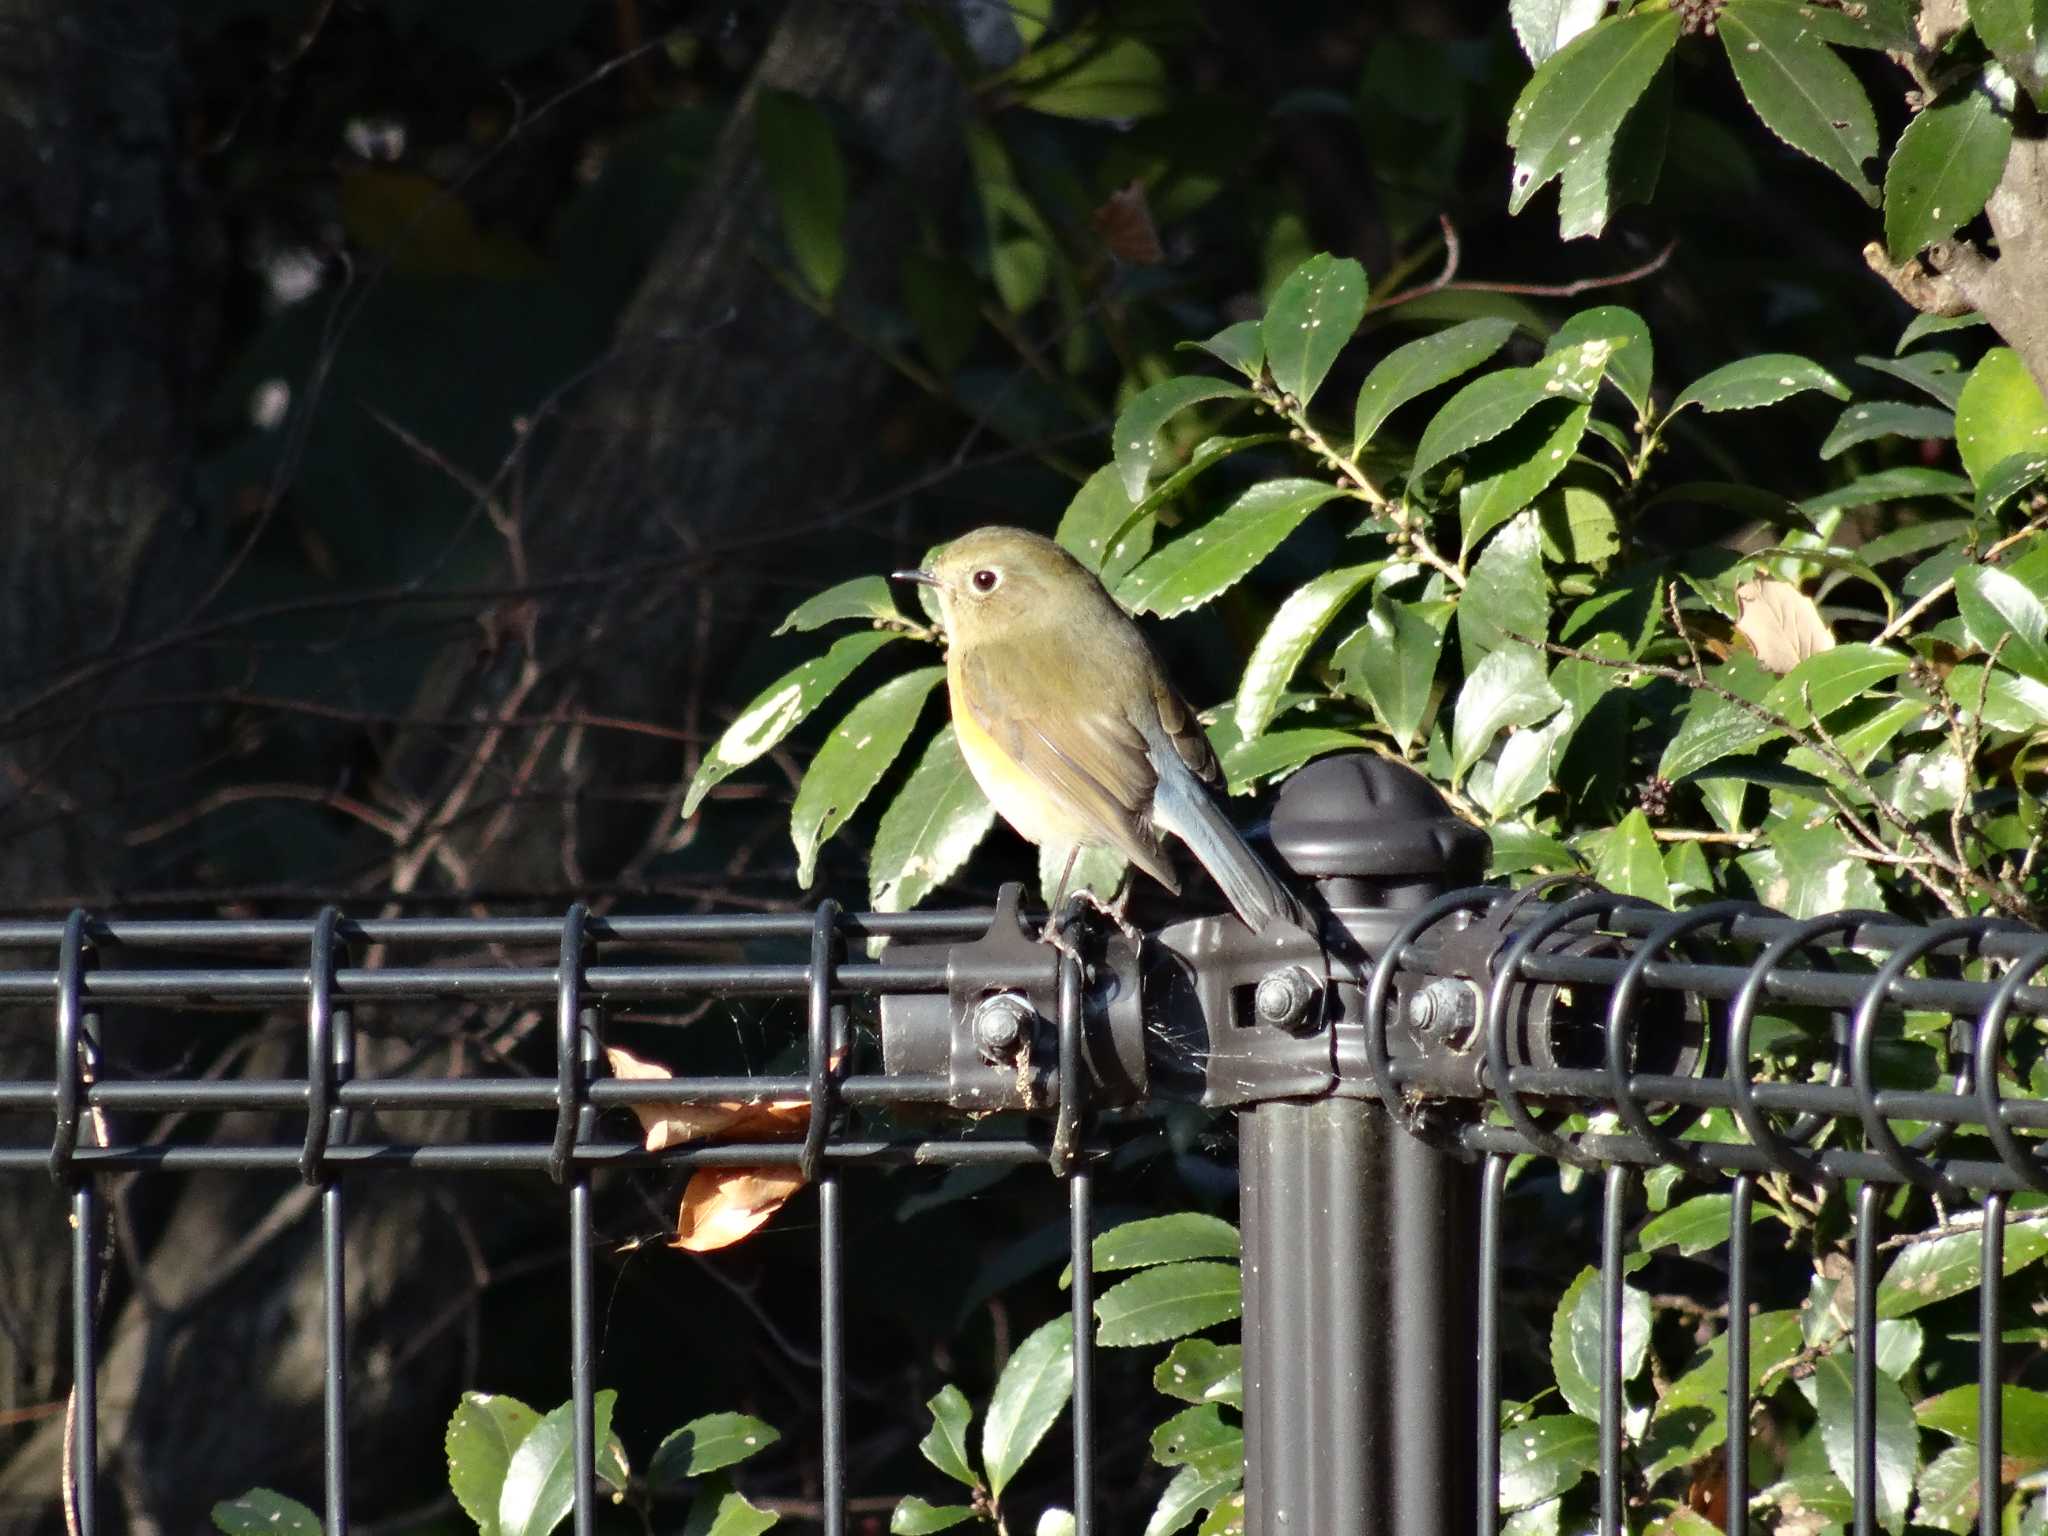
1116	911
1050	933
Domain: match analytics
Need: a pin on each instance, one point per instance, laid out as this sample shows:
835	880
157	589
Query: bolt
1002	1025
1442	1014
1283	997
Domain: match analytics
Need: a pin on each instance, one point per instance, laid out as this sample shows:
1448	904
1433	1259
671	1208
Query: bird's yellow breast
1017	796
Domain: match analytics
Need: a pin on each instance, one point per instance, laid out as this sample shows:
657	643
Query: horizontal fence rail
1481	1025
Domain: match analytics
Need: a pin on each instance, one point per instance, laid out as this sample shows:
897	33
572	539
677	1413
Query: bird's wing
1189	741
1088	759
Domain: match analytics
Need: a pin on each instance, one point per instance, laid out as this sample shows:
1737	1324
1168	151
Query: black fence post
1360	1239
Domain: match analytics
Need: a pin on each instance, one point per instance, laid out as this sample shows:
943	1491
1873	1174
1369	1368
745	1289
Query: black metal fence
1384	1082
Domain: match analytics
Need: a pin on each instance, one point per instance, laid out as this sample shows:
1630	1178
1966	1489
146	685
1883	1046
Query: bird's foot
1116	911
1054	933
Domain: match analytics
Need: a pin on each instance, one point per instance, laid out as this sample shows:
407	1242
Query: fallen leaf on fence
720	1205
1781	623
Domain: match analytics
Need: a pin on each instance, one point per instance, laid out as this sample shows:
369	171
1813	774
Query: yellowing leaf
1781	623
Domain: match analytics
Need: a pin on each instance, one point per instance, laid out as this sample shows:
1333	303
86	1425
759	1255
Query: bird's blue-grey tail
1183	805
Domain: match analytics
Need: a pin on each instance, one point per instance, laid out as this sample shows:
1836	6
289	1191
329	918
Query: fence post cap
1363	816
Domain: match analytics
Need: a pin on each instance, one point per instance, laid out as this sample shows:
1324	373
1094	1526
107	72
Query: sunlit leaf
1946	165
482	1435
945	1444
1295	627
914	1517
1167	1302
1544	26
1540	1458
1311	317
1135	440
1801	88
1758	381
1390	661
1417	367
260	1512
708	1444
852	761
930	828
1575	1342
1507	689
2000	413
540	1480
1030	1395
2005	615
2016	31
1209	559
1887	418
1580	95
1201	1371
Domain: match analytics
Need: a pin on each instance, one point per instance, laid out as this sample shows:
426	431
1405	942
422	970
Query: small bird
1070	726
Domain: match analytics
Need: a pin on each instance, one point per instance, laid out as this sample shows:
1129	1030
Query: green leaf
1494	402
1160	1240
483	1432
1945	167
1693	1226
1390	662
1089	76
1136	437
1279	752
260	1512
2001	413
1713	727
1190	1491
1198	1436
1241	346
540	1480
1029	1397
1887	418
1898	1444
945	1443
1579	527
1540	1458
914	1517
2006	701
1295	627
864	597
930	828
808	178
1626	859
2008	478
1504	476
1948	1491
943	300
1933	372
1581	94
1903	484
1920	327
852	761
1505	601
1203	563
1575	1344
2023	1419
1805	868
1226	1518
1801	88
720	1511
1619	168
779	709
2016	32
1630	366
1937	1268
1507	689
1758	381
1096	515
1202	1371
1312	315
2004	615
1544	26
1167	1302
1420	366
708	1444
1101	870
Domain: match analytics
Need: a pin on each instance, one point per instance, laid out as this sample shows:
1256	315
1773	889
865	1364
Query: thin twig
1538	290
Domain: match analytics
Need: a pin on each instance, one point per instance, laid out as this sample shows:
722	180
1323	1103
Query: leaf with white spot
1213	557
1874	419
930	828
1945	167
1758	381
1580	95
1135	440
852	761
1801	88
1420	366
1313	314
1297	625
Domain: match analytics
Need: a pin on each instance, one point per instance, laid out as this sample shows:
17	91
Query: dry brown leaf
722	1205
675	1125
1124	221
1781	623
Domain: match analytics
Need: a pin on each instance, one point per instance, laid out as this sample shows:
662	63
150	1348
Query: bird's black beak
923	578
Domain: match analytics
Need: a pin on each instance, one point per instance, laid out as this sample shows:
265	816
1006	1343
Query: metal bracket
993	1036
1250	1011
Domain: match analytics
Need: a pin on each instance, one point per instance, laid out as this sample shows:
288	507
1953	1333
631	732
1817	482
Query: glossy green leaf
1135	439
864	597
1417	367
1087	75
1093	519
1619	169
2023	1416
2006	616
807	176
912	1516
1198	1436
1940	1267
852	761
1946	165
945	1443
1030	1395
1575	1342
1805	867
260	1512
2005	700
1948	1491
1887	418
1509	473
1294	629
1506	598
930	828
1281	752
1390	661
1311	317
1507	689
1202	1371
1693	1226
1544	26
1101	870
1208	560
779	709
1187	1493
708	1444
1934	372
1494	402
2001	413
1758	381
1523	769
484	1431
1579	527
1160	1240
1906	483
1633	360
540	1479
1898	1444
720	1510
1920	327
1241	345
1713	727
2008	478
1801	88
2016	32
1881	26
1167	1302
1540	1458
1582	93
1626	859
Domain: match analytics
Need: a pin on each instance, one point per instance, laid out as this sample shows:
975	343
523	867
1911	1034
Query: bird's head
995	580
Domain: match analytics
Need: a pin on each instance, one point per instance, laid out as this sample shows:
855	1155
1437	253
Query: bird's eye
986	581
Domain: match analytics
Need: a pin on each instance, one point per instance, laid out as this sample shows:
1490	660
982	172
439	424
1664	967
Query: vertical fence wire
1736	1445
329	1053
575	1042
77	1063
1613	1207
1080	1241
1863	1356
1492	1192
1990	1375
826	1022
